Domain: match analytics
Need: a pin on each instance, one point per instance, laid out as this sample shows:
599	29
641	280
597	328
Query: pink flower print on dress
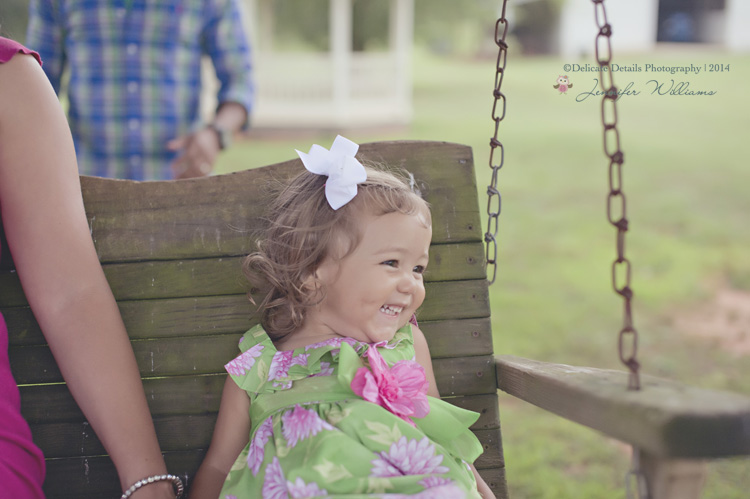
300	360
401	389
258	445
300	423
333	342
449	491
408	457
245	361
434	481
438	487
281	363
385	344
325	370
274	486
336	342
301	490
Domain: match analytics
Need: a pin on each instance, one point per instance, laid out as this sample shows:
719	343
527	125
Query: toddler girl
333	394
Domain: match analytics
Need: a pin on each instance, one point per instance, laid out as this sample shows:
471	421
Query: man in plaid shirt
135	80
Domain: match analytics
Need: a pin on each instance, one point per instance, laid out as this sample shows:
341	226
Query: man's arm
45	34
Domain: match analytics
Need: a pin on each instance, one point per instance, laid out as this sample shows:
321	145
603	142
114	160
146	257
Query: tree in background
444	26
535	25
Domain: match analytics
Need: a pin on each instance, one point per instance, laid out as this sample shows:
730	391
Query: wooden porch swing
173	259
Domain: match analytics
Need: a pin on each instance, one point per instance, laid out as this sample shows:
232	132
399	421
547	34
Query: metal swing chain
635	481
493	195
628	335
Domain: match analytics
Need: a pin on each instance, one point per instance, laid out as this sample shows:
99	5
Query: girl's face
374	290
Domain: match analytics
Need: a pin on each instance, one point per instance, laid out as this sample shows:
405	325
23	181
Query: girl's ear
312	286
326	272
309	281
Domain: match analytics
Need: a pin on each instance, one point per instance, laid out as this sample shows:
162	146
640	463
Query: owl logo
563	84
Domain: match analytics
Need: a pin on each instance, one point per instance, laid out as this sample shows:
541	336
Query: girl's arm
422	352
231	434
49	237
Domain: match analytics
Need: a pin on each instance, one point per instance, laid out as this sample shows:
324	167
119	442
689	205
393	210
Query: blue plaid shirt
135	74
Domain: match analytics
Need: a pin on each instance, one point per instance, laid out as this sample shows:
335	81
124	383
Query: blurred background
425	69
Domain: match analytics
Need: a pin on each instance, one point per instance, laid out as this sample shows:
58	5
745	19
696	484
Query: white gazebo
338	88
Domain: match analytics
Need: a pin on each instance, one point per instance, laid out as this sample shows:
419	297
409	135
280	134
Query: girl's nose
408	283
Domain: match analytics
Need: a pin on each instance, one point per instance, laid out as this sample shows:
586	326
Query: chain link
627	340
497	150
636	486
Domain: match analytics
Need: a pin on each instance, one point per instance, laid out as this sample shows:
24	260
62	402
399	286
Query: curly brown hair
302	230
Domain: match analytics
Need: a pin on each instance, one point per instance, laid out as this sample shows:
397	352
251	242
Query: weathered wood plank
223	276
176	433
234	314
493	450
465	375
455	300
95	477
495	478
156	358
216	216
144	319
189	395
458	338
486	405
664	418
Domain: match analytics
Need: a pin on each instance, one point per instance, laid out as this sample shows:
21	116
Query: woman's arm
231	434
422	352
48	234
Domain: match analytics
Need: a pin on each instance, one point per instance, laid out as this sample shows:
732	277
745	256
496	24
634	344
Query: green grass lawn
686	182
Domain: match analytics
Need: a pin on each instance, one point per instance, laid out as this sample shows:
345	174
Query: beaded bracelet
176	482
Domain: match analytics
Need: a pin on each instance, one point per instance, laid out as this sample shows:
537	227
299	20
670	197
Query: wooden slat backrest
172	251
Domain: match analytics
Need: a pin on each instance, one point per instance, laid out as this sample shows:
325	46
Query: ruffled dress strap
250	369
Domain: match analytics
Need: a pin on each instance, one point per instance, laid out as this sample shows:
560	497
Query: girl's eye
391	263
419	269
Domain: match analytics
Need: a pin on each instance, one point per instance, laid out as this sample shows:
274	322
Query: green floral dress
312	436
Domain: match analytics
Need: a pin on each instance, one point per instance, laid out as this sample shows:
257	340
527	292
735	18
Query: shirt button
134	124
132	87
132	48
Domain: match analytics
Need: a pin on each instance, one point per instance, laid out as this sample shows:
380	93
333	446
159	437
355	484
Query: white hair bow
342	168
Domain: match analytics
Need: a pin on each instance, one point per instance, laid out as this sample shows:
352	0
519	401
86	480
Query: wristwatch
225	136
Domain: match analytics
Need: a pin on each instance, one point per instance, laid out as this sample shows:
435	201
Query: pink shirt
21	462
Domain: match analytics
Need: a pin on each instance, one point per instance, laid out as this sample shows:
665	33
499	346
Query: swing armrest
664	418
